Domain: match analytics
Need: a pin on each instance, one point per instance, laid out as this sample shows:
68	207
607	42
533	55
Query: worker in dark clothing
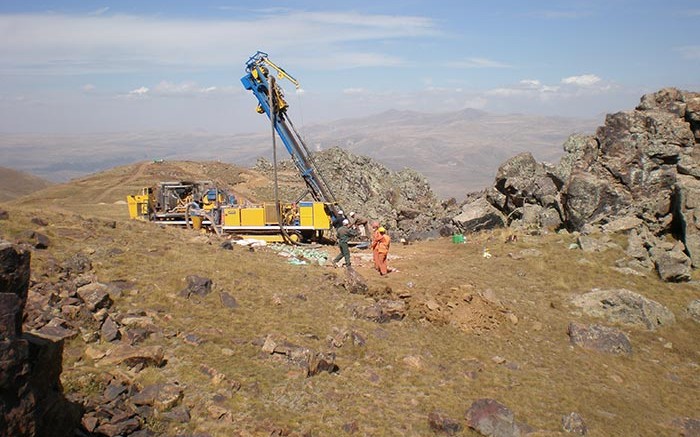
337	219
344	235
361	224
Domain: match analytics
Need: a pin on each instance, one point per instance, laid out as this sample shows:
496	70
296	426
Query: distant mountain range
458	152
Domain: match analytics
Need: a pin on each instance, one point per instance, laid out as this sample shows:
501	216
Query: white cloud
183	89
139	92
526	87
351	91
99	11
477	63
584	80
689	52
116	43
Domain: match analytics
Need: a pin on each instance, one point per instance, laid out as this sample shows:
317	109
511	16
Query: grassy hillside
14	184
474	327
104	194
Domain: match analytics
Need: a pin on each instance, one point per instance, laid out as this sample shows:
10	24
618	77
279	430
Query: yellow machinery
201	205
303	221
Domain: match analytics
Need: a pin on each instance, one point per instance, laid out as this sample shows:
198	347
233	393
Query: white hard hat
340	212
346	222
352	214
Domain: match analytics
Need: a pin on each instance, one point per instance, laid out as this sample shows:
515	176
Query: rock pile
71	304
639	173
401	200
31	397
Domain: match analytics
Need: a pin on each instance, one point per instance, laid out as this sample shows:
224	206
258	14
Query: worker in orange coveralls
383	250
375	239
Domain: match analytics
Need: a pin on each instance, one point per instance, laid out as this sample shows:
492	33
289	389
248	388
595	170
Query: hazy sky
79	66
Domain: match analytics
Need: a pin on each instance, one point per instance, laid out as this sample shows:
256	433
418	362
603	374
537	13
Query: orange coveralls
376	235
382	252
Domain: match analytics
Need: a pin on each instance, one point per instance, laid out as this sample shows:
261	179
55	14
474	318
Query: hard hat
346	222
381	229
352	214
340	212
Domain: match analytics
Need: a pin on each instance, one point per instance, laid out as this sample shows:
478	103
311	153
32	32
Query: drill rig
300	220
259	80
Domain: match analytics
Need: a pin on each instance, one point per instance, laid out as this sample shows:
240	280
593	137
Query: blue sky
87	66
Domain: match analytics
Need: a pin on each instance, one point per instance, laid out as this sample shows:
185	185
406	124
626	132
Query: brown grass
406	369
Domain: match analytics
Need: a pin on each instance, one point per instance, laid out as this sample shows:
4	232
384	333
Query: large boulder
479	215
31	400
599	338
625	307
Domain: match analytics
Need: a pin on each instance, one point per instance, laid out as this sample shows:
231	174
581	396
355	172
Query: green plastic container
458	238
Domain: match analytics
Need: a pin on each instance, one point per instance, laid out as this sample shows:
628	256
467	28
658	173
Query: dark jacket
345	234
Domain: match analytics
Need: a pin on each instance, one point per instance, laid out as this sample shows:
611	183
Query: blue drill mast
260	81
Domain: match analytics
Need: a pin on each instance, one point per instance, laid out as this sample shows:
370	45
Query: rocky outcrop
641	171
402	201
31	398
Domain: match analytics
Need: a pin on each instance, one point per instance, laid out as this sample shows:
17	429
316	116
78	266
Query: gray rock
688	205
550	219
590	244
109	331
36	239
162	397
694	310
39	221
441	422
688	427
626	307
55	333
133	356
672	265
227	300
196	285
354	282
479	215
383	311
599	338
491	418
636	249
95	295
622	224
573	423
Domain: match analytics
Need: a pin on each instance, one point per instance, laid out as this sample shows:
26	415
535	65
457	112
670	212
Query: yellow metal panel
232	217
254	216
321	218
306	215
138	206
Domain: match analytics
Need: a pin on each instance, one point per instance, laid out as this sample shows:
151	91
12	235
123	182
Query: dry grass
406	369
16	183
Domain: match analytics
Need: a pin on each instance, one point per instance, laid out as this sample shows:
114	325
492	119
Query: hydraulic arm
259	80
